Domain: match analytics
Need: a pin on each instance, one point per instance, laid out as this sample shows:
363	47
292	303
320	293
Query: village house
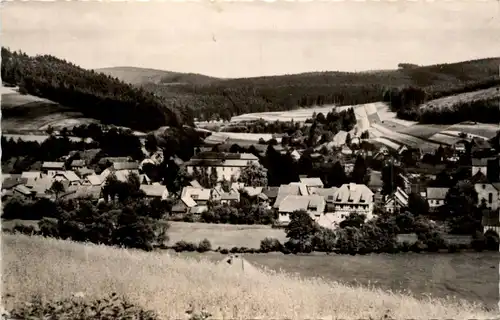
459	148
51	168
195	197
155	191
329	195
228	166
69	176
92	180
312	184
352	197
291	189
487	193
435	197
396	201
480	165
217	194
77	164
312	204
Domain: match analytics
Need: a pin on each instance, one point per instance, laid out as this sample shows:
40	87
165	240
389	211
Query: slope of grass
55	269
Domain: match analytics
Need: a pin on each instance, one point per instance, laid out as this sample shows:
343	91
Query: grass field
29	113
450	101
223	235
168	284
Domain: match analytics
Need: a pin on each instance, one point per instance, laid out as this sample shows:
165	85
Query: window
490	197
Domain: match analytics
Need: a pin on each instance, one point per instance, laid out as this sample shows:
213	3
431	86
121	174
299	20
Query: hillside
92	94
226	98
28	113
138	76
168	284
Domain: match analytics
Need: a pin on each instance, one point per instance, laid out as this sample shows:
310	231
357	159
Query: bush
453	248
270	245
234	250
405	246
478	242
184	246
111	307
417	247
204	246
20	228
433	240
224	251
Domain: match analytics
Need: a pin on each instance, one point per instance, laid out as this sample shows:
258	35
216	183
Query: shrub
453	248
478	242
112	307
405	246
234	250
48	228
224	251
204	246
433	240
184	246
417	247
20	228
270	245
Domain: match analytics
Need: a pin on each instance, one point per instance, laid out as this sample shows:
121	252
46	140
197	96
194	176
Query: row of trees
94	94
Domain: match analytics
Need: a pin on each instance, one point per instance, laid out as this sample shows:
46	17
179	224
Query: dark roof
125	165
77	163
11	182
480	162
479	177
271	192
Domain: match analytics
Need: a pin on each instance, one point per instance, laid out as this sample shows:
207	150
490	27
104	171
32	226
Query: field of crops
450	101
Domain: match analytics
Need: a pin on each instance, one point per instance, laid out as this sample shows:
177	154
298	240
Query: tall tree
254	176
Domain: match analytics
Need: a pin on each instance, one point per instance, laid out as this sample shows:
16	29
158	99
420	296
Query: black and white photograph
210	160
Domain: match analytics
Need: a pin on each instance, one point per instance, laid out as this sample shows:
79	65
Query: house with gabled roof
77	164
396	201
436	197
293	188
313	204
69	176
193	197
228	166
155	191
312	183
51	167
352	197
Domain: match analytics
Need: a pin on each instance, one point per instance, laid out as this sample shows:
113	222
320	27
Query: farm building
436	197
397	201
312	204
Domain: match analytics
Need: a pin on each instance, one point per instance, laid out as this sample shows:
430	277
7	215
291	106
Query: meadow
168	284
223	235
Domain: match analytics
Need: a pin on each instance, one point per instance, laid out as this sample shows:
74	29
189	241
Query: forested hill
94	94
229	97
137	76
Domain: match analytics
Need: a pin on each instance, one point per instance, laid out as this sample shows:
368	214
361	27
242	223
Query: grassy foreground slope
230	97
55	269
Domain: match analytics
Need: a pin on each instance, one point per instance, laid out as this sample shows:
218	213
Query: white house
51	168
314	205
227	165
352	197
396	201
436	197
312	184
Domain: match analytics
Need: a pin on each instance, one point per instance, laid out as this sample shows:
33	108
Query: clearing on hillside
53	269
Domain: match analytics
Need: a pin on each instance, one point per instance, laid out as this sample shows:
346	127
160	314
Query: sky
244	39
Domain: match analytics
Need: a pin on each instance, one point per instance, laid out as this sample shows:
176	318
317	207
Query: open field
223	235
168	284
29	113
450	101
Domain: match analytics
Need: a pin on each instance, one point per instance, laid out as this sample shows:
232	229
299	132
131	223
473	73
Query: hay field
29	113
223	235
56	269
